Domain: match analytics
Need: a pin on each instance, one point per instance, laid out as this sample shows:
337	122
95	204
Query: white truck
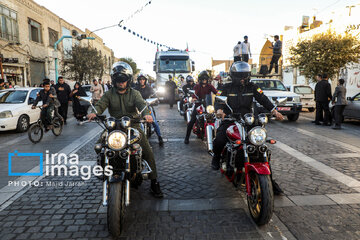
172	62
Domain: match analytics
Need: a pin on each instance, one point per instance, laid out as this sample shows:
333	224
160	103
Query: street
317	167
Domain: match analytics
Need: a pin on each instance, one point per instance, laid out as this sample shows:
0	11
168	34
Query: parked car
306	94
288	103
15	108
352	110
87	91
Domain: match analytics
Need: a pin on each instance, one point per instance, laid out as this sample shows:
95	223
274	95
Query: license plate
284	108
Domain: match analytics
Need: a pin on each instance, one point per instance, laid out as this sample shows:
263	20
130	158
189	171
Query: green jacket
119	105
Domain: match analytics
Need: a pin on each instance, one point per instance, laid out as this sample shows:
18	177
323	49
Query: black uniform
170	91
145	92
188	87
63	94
322	98
240	99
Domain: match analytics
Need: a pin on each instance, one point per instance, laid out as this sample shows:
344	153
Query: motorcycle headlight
135	136
161	89
125	122
210	109
257	136
110	123
6	114
249	118
116	140
263	119
190	99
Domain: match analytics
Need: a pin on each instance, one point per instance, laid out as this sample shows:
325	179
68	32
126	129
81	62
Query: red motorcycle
245	162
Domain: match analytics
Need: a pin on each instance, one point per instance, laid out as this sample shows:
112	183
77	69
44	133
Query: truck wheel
293	117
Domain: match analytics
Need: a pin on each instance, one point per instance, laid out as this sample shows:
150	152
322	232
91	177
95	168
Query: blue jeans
155	124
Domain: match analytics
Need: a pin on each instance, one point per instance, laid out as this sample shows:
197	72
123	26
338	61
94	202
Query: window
33	94
303	90
53	37
8	24
35	31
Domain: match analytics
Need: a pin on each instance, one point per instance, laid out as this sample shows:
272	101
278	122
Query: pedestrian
321	117
322	98
104	87
245	49
97	91
2	84
52	83
276	54
108	85
182	81
340	96
79	109
170	86
237	52
63	91
7	85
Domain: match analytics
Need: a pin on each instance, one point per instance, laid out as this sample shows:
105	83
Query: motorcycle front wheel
35	133
261	201
116	208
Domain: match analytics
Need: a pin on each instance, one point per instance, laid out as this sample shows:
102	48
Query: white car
15	108
306	96
287	102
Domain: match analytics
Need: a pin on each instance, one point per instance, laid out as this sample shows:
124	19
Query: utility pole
350	7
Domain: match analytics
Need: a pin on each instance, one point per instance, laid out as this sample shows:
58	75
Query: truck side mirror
154	68
193	68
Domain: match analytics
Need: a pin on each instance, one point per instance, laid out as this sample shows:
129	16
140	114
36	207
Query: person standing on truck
245	49
276	54
170	86
237	52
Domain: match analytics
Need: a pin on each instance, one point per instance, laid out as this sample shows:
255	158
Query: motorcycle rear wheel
261	202
116	208
57	126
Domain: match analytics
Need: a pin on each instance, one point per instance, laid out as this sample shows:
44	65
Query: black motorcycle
119	149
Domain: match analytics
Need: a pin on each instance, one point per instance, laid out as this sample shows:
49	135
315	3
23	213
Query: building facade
28	32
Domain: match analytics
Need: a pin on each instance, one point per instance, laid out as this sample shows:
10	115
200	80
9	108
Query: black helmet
203	75
240	71
189	79
121	72
141	76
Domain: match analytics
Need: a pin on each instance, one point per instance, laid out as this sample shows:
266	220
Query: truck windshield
274	85
179	66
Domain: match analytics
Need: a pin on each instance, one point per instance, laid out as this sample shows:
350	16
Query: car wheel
23	124
311	109
293	117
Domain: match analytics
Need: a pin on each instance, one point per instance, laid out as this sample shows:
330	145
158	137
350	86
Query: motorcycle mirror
83	99
151	100
280	101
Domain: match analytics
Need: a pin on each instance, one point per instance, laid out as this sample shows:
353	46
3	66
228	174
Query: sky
211	28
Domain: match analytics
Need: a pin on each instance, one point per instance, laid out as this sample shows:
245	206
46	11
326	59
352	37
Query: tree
83	63
132	64
326	53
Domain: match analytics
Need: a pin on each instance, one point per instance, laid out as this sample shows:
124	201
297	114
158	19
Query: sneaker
156	191
336	127
215	163
161	141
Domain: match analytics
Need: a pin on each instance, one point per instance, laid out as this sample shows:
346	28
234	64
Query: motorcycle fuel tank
233	133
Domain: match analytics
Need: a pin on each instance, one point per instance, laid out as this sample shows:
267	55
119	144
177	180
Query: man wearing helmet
146	92
240	93
202	90
122	100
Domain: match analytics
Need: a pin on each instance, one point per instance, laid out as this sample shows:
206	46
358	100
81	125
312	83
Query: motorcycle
186	107
120	150
148	127
245	161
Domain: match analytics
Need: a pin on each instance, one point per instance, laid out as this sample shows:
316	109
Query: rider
240	93
47	96
188	86
122	100
146	92
202	90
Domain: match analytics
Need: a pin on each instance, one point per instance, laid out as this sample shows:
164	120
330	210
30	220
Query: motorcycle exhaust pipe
209	138
127	196
188	116
178	106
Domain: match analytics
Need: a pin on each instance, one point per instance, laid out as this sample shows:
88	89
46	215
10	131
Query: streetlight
79	37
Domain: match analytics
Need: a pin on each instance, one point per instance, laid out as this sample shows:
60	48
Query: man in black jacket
146	92
170	86
63	95
322	98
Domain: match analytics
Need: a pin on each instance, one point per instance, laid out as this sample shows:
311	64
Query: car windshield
275	85
13	96
86	88
303	90
179	66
